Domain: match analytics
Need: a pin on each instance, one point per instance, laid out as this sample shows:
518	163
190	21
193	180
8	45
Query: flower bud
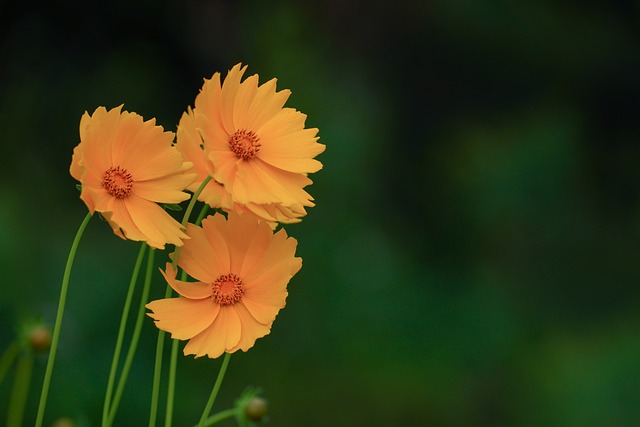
39	338
256	408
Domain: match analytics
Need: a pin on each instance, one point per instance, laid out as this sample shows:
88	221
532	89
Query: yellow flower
190	144
242	270
257	150
126	166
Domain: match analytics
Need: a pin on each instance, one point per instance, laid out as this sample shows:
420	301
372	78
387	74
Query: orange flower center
117	182
244	144
227	289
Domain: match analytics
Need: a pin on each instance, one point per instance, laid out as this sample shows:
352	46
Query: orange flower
242	269
259	151
126	166
190	144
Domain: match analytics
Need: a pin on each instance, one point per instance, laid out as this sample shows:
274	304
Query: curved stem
187	215
171	385
222	415
8	357
135	337
121	331
56	329
203	212
155	391
214	392
193	200
20	389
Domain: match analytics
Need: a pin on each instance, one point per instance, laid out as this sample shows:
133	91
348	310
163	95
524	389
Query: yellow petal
263	313
166	189
190	290
157	226
266	104
251	329
243	99
222	335
183	318
230	88
199	259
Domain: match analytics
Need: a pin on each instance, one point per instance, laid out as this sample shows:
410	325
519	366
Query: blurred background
473	256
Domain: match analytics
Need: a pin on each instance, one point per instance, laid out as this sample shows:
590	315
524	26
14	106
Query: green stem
56	329
157	370
155	391
121	331
203	213
8	357
171	384
214	392
173	363
134	338
222	415
193	200
187	215
20	389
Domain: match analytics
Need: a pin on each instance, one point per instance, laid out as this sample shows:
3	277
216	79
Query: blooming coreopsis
126	167
259	151
242	270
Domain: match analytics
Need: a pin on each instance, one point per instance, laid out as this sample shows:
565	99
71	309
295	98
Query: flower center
117	182
227	289
245	144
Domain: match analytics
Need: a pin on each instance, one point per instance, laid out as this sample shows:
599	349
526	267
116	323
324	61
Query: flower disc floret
118	182
227	289
244	144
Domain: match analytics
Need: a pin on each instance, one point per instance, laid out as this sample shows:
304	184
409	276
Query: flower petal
166	189
222	335
119	218
263	313
190	290
154	223
199	259
183	318
281	248
212	226
266	105
251	329
230	88
243	98
259	182
208	114
239	232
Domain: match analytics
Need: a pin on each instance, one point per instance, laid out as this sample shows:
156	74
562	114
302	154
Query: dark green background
473	256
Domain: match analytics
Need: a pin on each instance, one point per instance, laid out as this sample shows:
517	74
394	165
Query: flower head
258	151
190	144
126	166
242	270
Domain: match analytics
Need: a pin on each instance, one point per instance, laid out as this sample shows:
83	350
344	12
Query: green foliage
472	258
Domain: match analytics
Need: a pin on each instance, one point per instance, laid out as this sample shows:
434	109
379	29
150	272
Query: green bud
256	408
